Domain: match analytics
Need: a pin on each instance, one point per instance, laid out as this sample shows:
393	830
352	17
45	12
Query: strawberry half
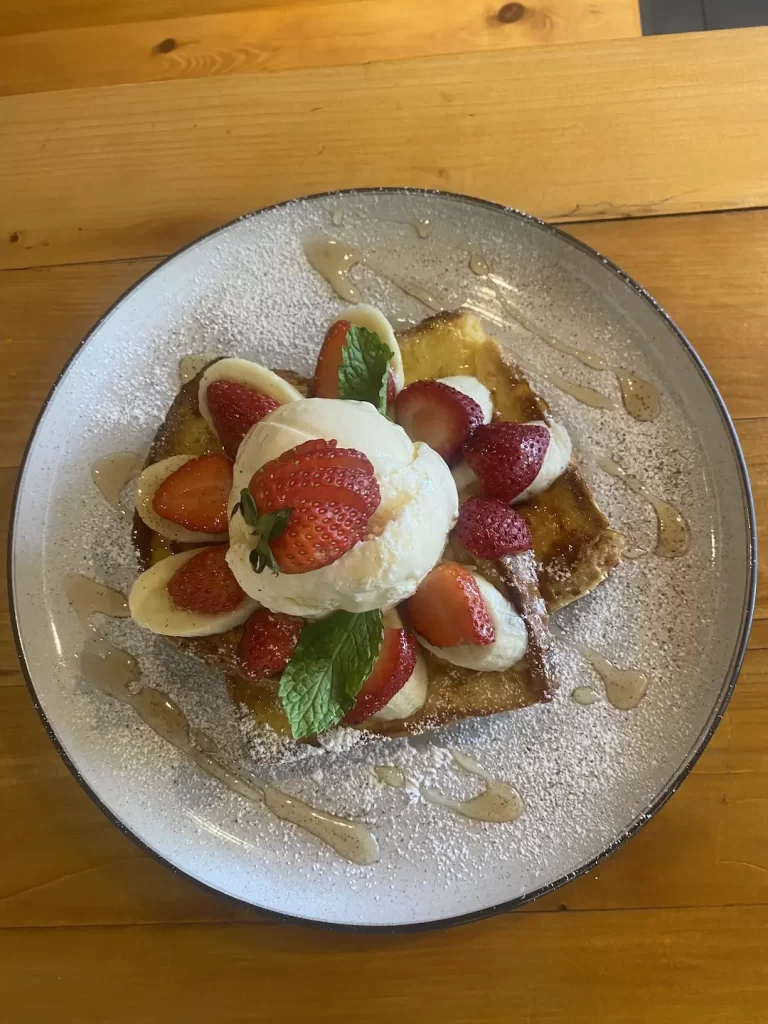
317	471
268	643
391	672
329	361
507	457
206	584
196	494
434	412
316	535
489	529
234	409
448	609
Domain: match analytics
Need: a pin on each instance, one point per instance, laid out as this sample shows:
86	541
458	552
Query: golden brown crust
573	543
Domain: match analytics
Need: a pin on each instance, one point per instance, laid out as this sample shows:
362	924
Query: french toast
573	545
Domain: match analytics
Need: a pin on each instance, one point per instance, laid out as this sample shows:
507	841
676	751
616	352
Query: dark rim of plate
728	684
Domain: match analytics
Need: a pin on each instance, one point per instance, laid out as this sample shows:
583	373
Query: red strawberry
329	360
196	495
489	529
318	474
391	386
234	409
268	643
448	609
206	583
316	535
438	414
391	672
507	457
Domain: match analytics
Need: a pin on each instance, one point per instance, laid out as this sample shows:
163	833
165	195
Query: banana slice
151	606
146	488
250	375
374	320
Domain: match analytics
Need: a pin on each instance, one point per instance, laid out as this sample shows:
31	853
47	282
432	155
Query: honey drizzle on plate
499	802
674	535
117	674
112	472
624	688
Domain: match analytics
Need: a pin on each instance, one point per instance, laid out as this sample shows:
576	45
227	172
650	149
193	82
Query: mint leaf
331	662
268	527
364	365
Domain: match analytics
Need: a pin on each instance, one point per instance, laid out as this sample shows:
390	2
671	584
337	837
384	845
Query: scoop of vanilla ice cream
408	531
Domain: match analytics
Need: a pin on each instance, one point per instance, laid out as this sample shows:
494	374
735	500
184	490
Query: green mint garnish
331	662
364	365
268	526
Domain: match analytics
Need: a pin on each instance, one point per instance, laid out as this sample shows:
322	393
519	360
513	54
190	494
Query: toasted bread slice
573	543
572	540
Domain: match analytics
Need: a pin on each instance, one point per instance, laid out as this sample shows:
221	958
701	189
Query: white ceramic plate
589	775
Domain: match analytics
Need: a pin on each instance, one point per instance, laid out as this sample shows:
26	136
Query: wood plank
115	172
64	862
294	35
706	966
18	16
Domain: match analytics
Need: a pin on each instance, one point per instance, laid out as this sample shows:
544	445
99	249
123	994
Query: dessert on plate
376	547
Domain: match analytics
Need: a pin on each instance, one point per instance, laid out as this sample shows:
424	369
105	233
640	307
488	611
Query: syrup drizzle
112	472
117	674
624	688
640	397
477	264
674	537
424	228
498	802
585	695
89	597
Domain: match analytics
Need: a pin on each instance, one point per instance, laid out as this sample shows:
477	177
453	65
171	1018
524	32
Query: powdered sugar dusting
585	773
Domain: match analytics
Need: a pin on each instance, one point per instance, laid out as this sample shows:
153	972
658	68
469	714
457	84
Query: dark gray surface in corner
664	16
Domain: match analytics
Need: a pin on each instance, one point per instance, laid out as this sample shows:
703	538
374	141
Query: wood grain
554	968
294	35
609	132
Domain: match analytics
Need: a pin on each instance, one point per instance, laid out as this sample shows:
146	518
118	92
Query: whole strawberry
488	528
506	457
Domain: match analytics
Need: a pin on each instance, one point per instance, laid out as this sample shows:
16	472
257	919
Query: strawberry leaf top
268	527
363	370
332	660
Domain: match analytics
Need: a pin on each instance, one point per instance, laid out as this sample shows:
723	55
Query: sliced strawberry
448	609
234	409
268	643
329	360
438	414
391	387
507	457
391	672
196	495
489	529
323	475
206	584
316	535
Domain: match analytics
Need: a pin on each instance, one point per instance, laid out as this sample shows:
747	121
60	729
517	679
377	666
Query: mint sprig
364	365
268	527
331	662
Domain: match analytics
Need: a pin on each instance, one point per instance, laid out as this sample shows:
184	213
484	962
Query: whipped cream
407	533
507	649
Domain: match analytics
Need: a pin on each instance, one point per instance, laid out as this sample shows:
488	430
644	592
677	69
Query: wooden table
616	139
